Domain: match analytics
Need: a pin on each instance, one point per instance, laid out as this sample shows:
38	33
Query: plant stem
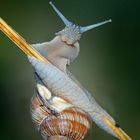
20	41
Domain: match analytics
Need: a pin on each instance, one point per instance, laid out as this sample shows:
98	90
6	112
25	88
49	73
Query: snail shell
70	124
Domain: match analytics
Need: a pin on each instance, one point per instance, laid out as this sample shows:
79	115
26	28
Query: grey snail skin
61	108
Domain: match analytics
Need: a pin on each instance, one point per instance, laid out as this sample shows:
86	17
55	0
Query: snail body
62	107
61	85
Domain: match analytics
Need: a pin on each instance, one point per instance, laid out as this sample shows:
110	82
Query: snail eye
44	92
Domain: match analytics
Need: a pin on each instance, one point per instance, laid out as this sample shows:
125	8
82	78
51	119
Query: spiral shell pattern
70	124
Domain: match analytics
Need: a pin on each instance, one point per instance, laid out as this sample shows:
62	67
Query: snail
62	108
61	51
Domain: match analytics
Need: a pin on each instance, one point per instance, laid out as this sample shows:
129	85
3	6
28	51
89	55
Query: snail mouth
70	45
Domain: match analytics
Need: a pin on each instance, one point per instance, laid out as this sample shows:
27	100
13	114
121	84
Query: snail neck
58	137
61	54
58	51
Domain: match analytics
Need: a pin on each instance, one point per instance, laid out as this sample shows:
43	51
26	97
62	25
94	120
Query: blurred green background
108	64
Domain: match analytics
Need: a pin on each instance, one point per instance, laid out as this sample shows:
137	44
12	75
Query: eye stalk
89	27
63	18
73	31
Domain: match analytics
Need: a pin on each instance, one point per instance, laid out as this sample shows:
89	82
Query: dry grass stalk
20	41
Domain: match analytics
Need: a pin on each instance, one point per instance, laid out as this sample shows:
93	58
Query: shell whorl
70	124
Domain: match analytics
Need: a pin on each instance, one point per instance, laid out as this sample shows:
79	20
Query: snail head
72	32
